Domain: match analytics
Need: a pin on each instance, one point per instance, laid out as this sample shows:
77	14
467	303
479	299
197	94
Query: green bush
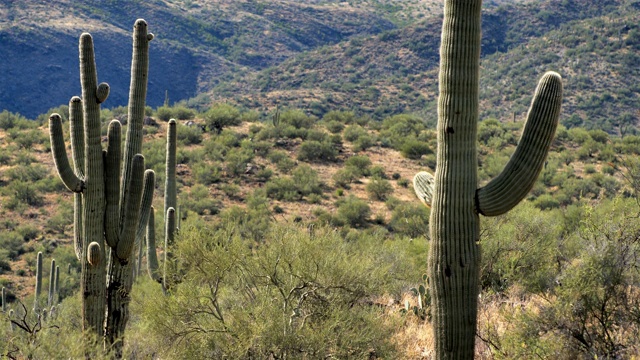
316	151
410	219
361	165
379	189
353	211
297	118
345	177
334	127
303	294
220	116
414	149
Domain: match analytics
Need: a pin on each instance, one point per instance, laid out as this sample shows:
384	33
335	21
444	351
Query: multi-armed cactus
111	205
170	204
454	259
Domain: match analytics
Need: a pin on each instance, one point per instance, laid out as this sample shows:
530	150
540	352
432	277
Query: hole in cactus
447	271
449	130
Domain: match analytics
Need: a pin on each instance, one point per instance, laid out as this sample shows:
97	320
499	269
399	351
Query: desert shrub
199	201
334	127
307	180
183	113
23	194
189	135
398	128
297	118
11	242
295	294
353	211
343	117
164	113
345	177
360	164
414	149
283	189
9	120
316	151
220	116
282	160
206	174
362	143
409	219
379	189
237	160
546	202
28	173
354	132
599	136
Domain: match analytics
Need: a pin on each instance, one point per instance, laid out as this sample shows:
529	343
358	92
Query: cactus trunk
454	259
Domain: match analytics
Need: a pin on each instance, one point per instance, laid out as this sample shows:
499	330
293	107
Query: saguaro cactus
4	300
170	204
454	258
111	205
38	291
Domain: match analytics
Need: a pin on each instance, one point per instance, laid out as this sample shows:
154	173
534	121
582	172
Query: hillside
198	45
592	44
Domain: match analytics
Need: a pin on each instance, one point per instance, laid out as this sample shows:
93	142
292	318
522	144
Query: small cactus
4	300
38	282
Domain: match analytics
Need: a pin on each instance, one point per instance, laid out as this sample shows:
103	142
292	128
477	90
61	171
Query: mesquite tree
113	193
454	259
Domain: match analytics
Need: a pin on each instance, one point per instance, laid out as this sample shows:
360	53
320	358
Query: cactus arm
423	184
145	205
60	158
152	257
93	283
4	300
76	125
170	225
112	183
520	174
137	100
132	210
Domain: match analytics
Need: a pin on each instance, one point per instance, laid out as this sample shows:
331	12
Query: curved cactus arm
520	174
60	158
152	257
132	201
170	225
423	184
112	182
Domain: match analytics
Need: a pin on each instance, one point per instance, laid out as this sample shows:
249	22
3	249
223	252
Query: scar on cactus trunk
454	258
112	197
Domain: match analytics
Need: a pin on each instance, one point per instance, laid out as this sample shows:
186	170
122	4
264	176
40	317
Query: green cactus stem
152	258
169	265
4	300
454	257
52	282
38	289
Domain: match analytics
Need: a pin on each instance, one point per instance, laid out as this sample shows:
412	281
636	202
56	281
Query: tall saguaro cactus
113	195
454	259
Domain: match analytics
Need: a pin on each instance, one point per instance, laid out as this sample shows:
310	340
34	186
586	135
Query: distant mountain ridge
377	57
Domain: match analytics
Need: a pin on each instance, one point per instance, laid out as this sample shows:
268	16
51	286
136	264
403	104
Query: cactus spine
111	206
454	259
